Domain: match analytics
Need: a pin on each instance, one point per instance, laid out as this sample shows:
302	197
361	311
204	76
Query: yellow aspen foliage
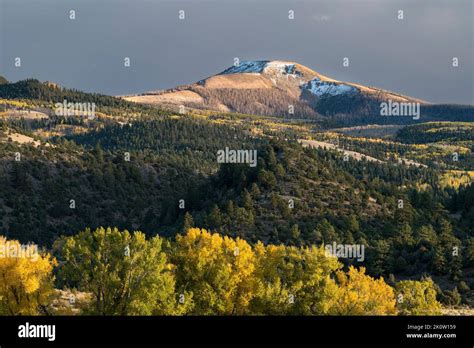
26	279
217	270
360	294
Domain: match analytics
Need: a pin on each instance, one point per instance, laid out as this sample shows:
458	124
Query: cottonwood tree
360	294
126	273
26	279
293	281
417	298
217	270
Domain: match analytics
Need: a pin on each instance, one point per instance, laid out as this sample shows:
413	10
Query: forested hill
432	132
34	89
294	196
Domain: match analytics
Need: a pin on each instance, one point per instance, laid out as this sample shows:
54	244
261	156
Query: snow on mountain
320	88
280	68
248	66
275	67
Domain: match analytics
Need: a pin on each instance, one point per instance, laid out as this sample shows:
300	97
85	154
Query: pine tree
327	231
214	218
255	191
188	222
247	202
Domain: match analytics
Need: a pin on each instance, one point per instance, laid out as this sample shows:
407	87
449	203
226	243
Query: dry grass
178	97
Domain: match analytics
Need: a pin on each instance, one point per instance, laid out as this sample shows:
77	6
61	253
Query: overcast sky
412	56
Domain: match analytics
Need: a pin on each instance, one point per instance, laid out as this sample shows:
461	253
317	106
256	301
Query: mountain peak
259	66
268	86
275	70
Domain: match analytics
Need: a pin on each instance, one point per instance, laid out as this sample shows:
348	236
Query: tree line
111	272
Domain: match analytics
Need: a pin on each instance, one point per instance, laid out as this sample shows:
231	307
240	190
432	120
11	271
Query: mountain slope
278	88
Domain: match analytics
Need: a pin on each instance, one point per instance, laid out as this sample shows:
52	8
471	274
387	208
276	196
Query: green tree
255	191
295	232
405	236
126	274
427	235
417	298
451	297
99	153
294	281
214	218
188	222
247	202
327	231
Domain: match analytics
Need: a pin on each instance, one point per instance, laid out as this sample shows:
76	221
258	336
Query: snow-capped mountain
272	88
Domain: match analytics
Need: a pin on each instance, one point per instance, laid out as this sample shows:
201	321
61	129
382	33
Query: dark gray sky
411	56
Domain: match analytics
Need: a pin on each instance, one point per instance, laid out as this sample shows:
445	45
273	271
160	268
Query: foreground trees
201	273
359	294
126	274
26	279
293	280
417	298
218	271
